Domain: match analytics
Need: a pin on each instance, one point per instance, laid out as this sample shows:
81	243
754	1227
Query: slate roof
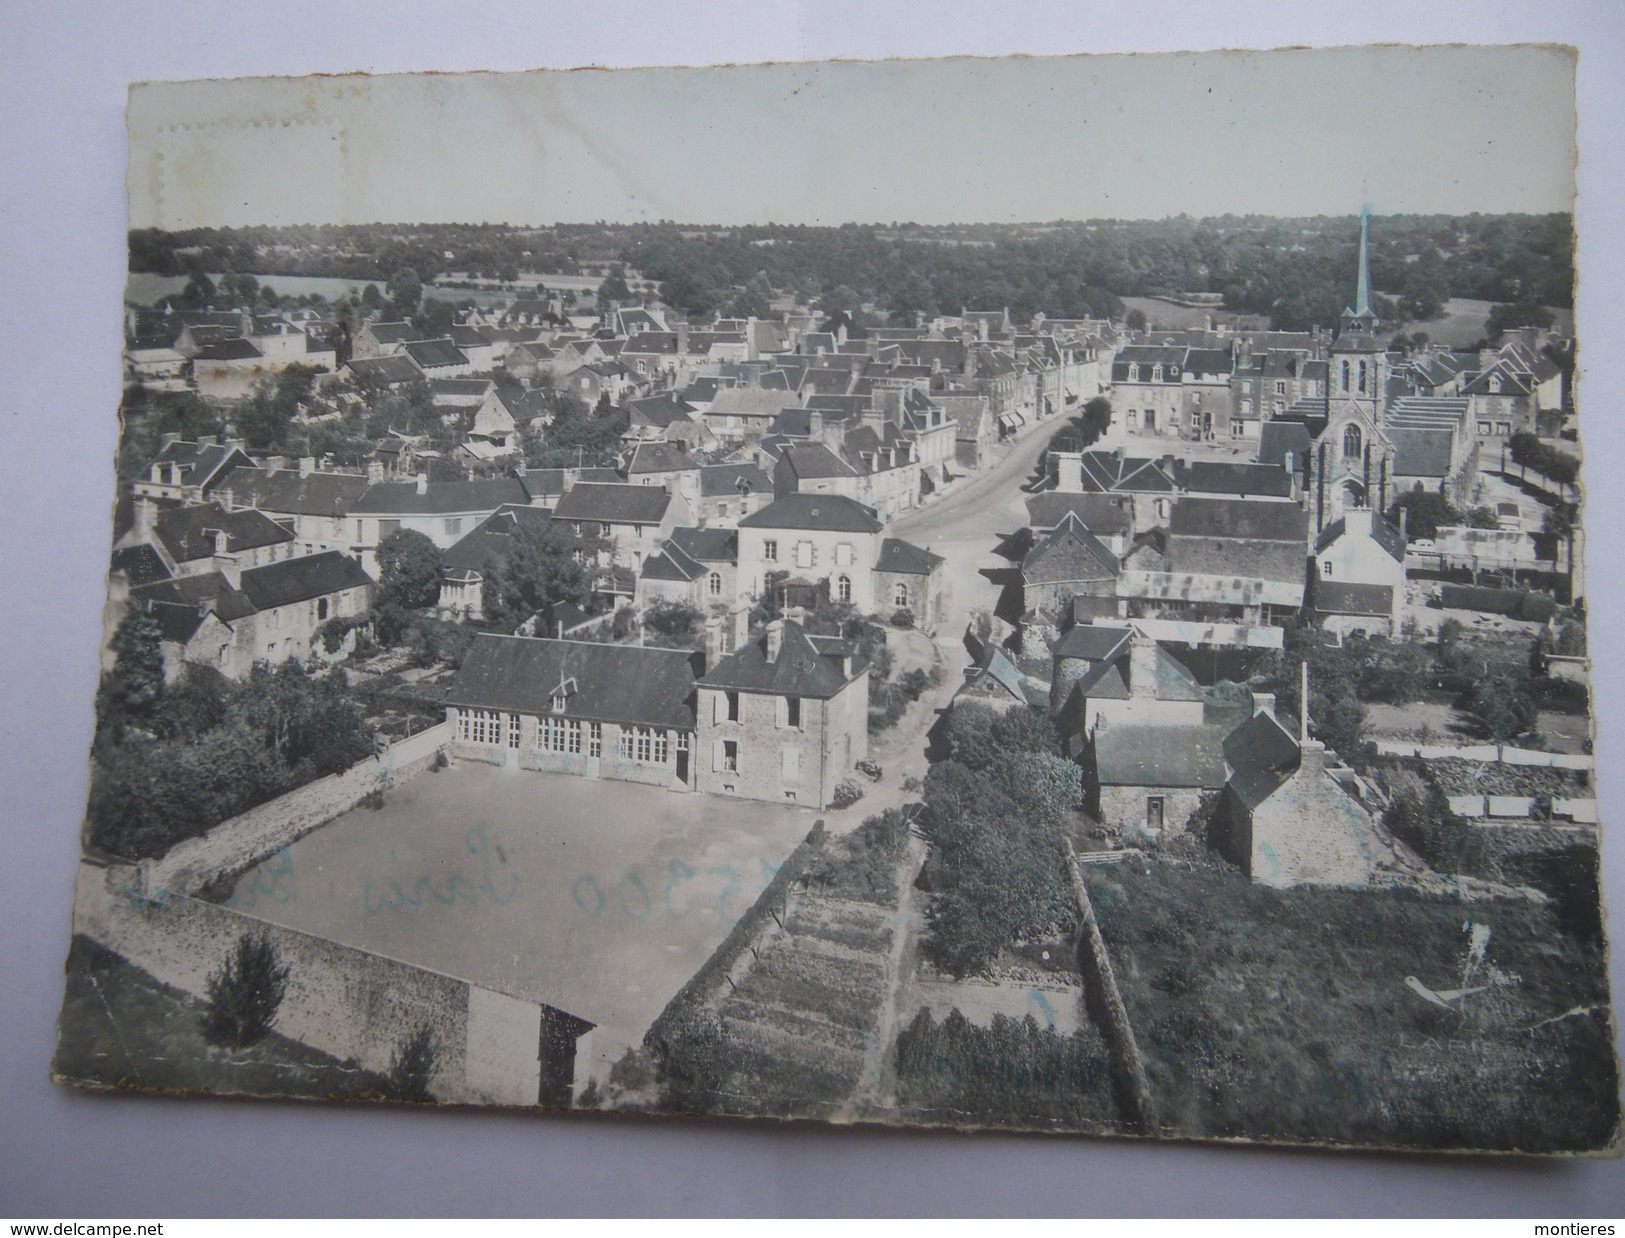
707	545
285	491
750	402
1091	642
492	538
725	479
1101	514
1109	680
1341	597
994	667
181	531
659	457
1421	452
658	343
393	332
542	483
1276	438
465	388
200	462
229	350
807	665
896	555
633	685
432	354
614	504
1237	478
141	565
833	513
302	578
1159	756
205	591
485	494
661	410
815	460
671	563
1384	531
1107	471
1262	756
1239	519
385	371
1070	528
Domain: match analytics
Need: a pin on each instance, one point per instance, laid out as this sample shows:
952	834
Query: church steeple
1360	321
1362	288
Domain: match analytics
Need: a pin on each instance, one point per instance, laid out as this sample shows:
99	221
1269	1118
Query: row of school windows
645	745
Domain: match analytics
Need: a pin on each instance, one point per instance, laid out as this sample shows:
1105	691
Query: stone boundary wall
236	845
1101	994
355	1005
1488	752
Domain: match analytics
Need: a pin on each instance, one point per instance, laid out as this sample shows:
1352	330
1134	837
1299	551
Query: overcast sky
1298	132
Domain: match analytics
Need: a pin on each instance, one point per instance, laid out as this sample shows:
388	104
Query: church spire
1362	288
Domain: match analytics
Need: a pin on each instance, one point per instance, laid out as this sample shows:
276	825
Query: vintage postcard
1034	594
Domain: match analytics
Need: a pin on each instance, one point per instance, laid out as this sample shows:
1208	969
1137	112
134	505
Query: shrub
672	620
846	794
245	994
902	617
869	769
1537	607
412	1066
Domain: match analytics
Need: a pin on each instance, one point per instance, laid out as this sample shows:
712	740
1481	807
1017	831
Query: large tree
409	569
540	570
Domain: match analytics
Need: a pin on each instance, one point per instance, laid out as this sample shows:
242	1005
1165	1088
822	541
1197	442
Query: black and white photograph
1037	594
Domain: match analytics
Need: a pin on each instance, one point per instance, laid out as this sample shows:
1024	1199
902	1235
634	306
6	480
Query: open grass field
1461	324
1285	1015
600	898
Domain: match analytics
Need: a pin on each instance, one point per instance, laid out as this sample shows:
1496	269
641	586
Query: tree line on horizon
1296	272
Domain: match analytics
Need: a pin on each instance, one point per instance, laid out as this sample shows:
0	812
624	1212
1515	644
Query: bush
869	769
412	1066
846	794
245	994
1537	607
672	620
902	618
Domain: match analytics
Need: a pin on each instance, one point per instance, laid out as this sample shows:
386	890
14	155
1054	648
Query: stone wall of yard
353	1004
234	846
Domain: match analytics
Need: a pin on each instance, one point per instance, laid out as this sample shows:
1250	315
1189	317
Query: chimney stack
423	483
1142	666
1264	703
307	465
1303	707
775	639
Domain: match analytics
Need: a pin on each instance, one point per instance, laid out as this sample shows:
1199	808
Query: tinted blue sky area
1296	132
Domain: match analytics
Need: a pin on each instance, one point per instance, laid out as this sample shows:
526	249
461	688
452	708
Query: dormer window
1134	373
1156	373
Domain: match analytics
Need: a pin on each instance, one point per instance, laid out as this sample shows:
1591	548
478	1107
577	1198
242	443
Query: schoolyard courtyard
599	898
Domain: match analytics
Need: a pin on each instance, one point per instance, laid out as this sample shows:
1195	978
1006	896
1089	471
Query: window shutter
781	712
719	708
790	762
716	756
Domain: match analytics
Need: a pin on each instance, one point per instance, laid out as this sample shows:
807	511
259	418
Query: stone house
467	561
1135	683
1150	485
186	472
730	492
441	510
382	339
997	682
1151	778
438	358
313	503
699	567
1291	815
1110	517
1357	580
909	579
1069	562
633	519
783	719
231	619
975	432
202	538
576	707
810	540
